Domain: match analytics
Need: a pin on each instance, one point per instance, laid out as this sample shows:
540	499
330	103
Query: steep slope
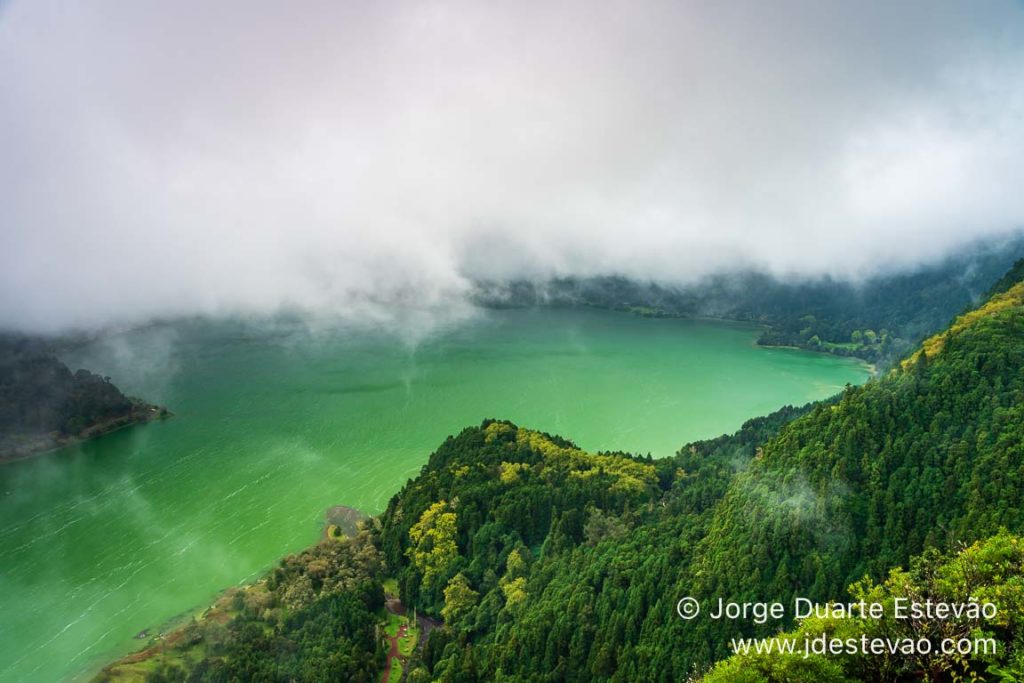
928	456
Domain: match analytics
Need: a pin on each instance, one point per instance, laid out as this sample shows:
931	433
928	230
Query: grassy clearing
394	623
407	643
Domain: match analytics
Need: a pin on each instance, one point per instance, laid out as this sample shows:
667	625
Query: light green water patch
101	541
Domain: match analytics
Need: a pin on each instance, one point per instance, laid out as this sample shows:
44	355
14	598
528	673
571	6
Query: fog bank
162	159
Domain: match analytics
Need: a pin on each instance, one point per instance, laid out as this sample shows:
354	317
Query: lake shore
872	368
162	641
21	447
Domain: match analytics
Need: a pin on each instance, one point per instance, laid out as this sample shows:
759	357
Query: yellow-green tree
433	549
459	598
514	590
513	584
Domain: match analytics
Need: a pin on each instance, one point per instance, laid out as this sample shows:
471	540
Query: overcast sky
164	158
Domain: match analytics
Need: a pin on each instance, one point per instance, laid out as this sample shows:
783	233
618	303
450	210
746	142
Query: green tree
433	549
459	598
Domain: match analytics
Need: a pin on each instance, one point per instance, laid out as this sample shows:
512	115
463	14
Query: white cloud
175	158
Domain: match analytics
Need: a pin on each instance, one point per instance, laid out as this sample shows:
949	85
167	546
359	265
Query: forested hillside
43	404
928	456
551	564
989	572
878	318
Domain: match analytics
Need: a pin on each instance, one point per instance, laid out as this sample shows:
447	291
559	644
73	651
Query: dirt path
395	606
393	653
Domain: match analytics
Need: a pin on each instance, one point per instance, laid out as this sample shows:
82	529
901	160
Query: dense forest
990	571
926	457
878	319
547	563
43	404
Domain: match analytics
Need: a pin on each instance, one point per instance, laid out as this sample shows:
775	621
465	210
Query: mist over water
172	159
273	424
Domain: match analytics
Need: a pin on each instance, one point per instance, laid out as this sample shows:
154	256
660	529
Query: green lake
275	423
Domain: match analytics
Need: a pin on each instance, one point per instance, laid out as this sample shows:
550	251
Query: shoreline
158	639
42	444
872	368
162	638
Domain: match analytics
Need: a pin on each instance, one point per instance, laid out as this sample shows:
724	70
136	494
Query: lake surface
273	424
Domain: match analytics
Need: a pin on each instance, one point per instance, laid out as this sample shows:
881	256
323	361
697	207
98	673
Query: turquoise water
273	424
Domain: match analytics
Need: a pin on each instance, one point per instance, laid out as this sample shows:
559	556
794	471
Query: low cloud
163	159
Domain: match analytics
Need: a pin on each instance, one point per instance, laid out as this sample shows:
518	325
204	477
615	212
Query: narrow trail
393	653
425	626
394	606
